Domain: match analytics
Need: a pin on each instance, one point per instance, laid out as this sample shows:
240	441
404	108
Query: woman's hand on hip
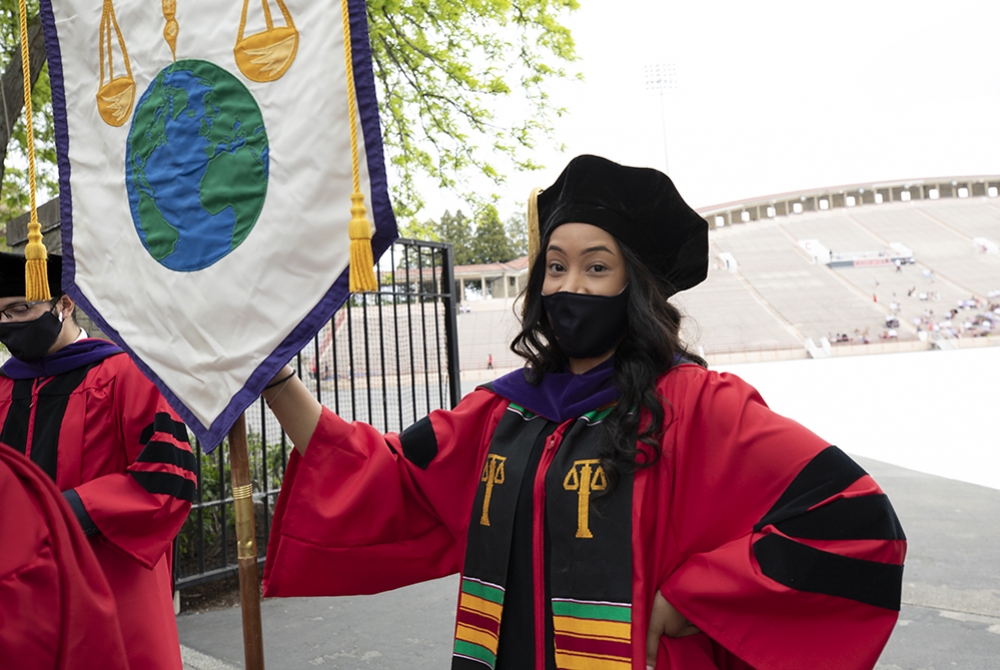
665	620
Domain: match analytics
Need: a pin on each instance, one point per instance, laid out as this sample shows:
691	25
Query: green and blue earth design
196	165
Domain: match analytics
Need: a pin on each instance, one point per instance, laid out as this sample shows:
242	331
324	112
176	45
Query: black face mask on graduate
30	340
585	325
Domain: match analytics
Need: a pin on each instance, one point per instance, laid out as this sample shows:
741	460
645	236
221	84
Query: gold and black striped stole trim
488	547
589	522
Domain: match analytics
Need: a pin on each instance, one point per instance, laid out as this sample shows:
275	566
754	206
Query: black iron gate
386	358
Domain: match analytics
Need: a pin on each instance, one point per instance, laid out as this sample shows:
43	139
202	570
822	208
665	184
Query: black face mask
586	326
30	340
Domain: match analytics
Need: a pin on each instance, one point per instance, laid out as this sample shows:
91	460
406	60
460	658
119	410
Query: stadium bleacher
778	297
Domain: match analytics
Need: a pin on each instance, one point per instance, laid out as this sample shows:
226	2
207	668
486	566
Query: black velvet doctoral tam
639	207
12	282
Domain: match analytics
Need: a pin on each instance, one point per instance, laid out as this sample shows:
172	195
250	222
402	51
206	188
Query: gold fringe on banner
362	275
36	275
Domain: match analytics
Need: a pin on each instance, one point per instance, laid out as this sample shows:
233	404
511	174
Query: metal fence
386	358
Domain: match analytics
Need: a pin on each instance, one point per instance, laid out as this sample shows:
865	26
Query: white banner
205	179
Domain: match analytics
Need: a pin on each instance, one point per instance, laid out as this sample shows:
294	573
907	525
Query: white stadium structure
814	275
872	268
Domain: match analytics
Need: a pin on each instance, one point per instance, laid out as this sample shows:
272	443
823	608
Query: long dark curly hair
650	347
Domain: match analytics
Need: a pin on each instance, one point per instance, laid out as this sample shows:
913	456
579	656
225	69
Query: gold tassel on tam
36	276
534	236
362	275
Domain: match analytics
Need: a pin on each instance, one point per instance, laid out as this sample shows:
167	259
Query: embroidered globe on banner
196	165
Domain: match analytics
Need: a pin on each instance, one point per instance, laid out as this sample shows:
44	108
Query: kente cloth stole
590	560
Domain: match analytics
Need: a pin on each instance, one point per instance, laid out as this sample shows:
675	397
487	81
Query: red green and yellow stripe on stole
592	635
478	627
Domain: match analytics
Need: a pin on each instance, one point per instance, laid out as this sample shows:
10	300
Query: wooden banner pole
246	545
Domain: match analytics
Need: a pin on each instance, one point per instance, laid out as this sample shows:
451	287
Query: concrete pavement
950	616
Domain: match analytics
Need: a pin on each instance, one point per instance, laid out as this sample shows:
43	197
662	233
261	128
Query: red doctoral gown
120	455
56	608
777	546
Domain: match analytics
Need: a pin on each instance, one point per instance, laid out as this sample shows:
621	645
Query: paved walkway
950	616
951	612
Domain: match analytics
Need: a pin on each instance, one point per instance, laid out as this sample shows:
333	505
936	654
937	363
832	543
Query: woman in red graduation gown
80	409
614	504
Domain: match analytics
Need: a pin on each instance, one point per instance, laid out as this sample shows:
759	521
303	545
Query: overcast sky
780	95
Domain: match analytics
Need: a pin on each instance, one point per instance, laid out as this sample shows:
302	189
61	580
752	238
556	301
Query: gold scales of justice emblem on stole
262	57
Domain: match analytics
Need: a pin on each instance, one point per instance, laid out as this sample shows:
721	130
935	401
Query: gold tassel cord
36	276
362	273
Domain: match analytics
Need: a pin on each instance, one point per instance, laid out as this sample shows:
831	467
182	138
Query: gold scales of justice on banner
262	57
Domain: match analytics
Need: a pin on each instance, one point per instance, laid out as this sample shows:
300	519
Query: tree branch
12	82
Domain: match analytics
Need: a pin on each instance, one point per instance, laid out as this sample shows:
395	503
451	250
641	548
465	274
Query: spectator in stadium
80	409
614	496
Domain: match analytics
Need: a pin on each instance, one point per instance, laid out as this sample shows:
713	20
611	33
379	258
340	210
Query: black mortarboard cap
12	275
640	207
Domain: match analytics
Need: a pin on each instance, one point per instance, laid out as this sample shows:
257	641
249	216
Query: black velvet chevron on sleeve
167	453
161	452
419	443
167	483
806	568
164	423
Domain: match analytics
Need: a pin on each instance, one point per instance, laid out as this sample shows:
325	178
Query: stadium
860	269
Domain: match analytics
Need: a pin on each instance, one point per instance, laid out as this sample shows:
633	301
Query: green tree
420	231
457	229
441	67
490	243
517	234
14	194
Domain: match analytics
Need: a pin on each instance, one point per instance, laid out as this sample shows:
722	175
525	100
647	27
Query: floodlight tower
660	78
